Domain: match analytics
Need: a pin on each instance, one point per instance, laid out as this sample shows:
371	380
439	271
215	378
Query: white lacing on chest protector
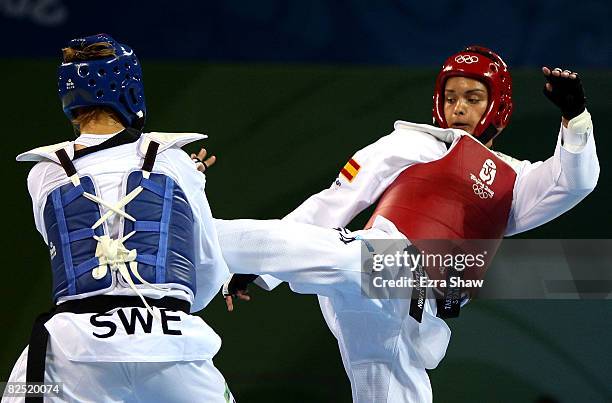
110	252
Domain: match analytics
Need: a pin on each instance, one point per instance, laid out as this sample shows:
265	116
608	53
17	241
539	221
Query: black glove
238	282
567	93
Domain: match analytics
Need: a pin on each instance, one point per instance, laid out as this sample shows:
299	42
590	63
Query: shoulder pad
47	152
166	140
445	135
513	162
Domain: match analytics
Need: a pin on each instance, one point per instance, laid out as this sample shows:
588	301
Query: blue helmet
114	81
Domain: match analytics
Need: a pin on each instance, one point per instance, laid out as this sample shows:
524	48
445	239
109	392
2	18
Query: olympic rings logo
468	59
480	191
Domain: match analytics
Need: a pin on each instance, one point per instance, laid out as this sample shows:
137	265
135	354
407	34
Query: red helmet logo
487	67
469	59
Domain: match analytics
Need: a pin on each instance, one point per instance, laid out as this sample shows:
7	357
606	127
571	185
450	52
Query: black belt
448	305
37	350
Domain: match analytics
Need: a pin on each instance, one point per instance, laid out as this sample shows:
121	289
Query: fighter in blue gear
132	243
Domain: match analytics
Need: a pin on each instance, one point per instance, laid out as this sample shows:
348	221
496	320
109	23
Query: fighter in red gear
431	182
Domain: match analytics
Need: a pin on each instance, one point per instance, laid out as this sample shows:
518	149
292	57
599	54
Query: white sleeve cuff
575	136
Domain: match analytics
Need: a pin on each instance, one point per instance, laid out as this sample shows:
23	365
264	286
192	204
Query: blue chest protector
160	234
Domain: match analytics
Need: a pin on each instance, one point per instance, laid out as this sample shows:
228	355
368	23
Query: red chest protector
465	195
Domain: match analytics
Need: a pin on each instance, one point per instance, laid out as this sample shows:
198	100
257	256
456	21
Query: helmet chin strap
138	124
77	130
489	133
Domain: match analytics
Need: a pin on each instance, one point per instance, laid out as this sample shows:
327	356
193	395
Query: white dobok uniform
384	350
134	365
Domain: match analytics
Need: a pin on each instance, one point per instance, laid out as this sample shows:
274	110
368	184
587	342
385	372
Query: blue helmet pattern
114	81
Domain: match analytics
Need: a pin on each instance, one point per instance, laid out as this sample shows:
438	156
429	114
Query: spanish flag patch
350	170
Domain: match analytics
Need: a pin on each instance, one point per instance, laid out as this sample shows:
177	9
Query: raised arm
545	190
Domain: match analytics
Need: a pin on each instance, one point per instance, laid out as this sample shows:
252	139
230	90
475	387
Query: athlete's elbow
582	190
583	182
592	183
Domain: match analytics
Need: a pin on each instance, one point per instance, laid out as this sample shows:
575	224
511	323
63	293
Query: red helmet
487	67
